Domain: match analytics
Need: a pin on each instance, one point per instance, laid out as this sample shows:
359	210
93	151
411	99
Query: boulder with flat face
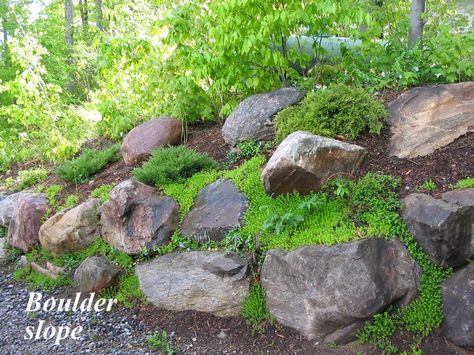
304	162
458	307
95	274
204	281
428	118
444	227
327	293
218	208
138	216
140	141
253	118
23	231
72	230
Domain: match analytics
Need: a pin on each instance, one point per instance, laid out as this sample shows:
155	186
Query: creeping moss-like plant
463	184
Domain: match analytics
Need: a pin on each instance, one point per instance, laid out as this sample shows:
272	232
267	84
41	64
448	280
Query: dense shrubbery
337	110
172	165
25	179
88	164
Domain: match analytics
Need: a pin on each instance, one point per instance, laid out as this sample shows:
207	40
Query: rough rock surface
26	221
218	208
72	230
7	205
427	118
4	258
253	118
138	216
140	141
303	162
95	274
458	307
327	293
212	282
444	228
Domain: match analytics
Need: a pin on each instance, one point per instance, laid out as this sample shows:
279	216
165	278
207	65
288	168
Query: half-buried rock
95	274
138	216
444	227
140	141
218	208
72	230
23	231
7	205
458	307
427	118
253	118
212	282
303	162
327	293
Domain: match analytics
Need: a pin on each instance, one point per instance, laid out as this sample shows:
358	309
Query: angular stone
253	118
218	208
26	221
95	274
304	162
444	228
458	307
211	282
137	216
72	230
140	141
327	293
427	118
7	205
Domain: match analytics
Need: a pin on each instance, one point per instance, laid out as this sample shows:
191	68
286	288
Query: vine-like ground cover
344	211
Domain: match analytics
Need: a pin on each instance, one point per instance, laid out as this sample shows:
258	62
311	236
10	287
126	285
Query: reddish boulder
23	232
140	141
138	216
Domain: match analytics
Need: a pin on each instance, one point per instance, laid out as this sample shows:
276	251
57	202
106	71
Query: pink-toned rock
158	132
138	216
23	232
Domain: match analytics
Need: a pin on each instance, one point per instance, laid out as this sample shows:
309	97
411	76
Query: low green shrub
102	192
247	150
25	179
338	110
463	184
3	232
172	165
162	342
88	164
427	185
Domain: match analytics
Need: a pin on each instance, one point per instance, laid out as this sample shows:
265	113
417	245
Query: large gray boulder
158	132
303	162
138	216
253	118
458	307
95	274
7	205
23	231
327	293
71	230
218	208
444	227
211	282
427	118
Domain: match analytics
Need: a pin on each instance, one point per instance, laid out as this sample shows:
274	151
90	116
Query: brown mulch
445	166
208	140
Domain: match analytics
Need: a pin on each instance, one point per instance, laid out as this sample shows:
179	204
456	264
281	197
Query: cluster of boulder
324	292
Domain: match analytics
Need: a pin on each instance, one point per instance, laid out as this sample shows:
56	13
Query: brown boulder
140	141
23	232
428	118
95	274
71	230
137	216
303	162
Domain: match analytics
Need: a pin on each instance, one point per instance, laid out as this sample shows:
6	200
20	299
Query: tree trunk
69	16
416	22
84	12
99	15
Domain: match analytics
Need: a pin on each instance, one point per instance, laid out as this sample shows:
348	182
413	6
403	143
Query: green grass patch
3	232
463	184
337	110
102	192
89	163
172	165
427	186
161	341
254	309
25	179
